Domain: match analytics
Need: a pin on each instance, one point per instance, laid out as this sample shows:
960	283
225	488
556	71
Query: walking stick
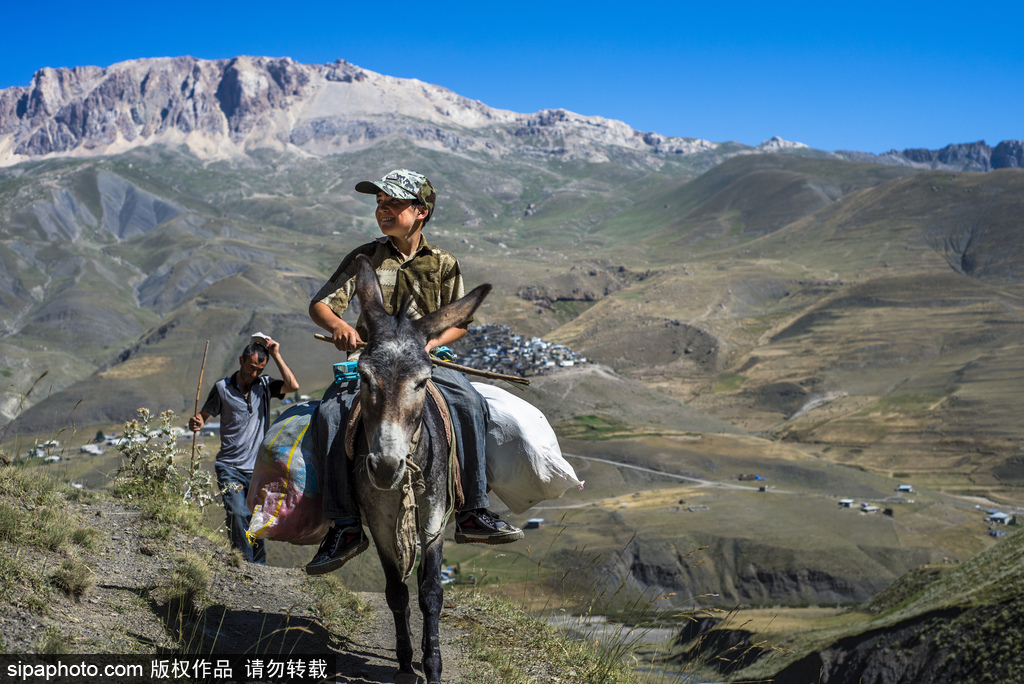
199	389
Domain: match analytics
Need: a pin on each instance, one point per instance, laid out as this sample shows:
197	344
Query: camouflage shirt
431	276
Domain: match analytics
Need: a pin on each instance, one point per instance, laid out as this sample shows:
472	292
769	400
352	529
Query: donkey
403	455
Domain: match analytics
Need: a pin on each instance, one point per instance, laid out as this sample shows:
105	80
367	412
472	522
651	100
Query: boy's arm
344	335
452	289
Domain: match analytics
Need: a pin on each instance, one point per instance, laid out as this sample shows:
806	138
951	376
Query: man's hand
272	347
267	343
196	422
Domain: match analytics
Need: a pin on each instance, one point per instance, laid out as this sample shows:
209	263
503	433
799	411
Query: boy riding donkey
407	266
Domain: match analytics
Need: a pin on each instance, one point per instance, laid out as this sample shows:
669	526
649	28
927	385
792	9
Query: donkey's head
394	369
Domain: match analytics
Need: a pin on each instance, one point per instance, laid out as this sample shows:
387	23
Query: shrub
15	575
333	604
85	537
85	496
148	470
31	486
54	642
53	529
510	638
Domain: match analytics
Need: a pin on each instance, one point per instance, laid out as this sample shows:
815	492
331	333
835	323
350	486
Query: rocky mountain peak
975	156
777	144
225	107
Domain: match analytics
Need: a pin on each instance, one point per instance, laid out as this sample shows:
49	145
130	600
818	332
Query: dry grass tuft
73	577
337	608
188	584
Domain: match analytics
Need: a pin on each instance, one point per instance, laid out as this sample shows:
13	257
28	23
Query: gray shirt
244	419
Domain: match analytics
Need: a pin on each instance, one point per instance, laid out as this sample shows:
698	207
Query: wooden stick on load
457	367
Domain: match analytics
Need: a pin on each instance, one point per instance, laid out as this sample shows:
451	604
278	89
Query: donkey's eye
421	384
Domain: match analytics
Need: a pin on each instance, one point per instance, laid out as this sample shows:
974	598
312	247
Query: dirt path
246	609
370	656
672	476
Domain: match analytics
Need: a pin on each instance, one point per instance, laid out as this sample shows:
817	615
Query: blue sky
868	76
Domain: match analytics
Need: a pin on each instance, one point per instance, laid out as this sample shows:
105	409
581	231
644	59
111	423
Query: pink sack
285	495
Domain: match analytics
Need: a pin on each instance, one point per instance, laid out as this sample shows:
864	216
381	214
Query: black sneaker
483	527
341	545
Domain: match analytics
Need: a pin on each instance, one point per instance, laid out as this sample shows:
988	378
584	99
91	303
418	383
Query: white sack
524	463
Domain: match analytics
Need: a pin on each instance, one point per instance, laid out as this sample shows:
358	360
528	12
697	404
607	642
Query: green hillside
941	623
848	330
742	198
776	293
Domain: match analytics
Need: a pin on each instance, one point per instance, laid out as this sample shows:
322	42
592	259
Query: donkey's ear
454	314
368	288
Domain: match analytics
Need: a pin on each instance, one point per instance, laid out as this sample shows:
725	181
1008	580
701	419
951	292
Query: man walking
243	402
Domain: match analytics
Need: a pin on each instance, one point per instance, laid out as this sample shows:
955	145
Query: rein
454	486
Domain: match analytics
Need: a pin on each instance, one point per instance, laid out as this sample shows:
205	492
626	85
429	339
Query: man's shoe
483	527
341	545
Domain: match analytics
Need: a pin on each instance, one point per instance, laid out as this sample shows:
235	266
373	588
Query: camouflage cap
403	184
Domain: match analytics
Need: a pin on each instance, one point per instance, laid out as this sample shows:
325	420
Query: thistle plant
148	454
149	462
198	482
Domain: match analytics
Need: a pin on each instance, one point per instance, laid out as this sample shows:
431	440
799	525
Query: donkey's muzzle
384	472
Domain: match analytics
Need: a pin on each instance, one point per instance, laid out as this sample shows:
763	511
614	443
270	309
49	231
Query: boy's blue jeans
469	418
237	514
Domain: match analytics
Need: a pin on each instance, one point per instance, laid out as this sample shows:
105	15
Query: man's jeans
469	417
236	513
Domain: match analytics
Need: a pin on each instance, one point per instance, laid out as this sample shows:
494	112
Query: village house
496	349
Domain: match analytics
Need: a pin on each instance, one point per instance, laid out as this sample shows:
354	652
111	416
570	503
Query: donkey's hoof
407	678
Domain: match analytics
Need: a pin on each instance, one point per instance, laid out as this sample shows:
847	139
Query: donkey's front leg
397	594
431	594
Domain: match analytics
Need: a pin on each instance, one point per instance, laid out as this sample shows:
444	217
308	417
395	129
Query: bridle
413	481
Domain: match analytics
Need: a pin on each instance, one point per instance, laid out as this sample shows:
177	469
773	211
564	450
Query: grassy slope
49	582
949	622
289	220
742	198
844	307
629	526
